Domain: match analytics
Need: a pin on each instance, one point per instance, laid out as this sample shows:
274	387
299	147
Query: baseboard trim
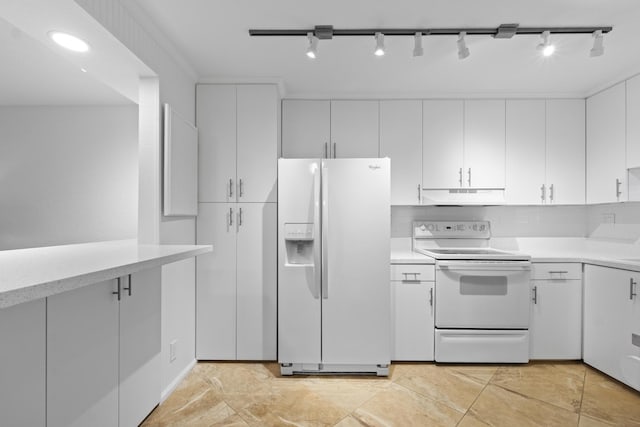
167	391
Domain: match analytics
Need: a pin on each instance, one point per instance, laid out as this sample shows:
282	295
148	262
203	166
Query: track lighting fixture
598	44
463	50
379	44
545	45
417	46
504	31
312	50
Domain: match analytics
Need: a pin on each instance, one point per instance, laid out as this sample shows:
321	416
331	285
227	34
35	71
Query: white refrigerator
333	266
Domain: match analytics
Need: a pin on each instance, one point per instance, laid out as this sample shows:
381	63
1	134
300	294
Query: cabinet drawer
412	272
556	271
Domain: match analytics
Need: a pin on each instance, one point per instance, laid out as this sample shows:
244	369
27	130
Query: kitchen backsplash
616	213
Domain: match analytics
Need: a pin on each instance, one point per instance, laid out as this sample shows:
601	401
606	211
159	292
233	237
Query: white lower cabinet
555	329
236	316
412	312
23	362
611	319
103	356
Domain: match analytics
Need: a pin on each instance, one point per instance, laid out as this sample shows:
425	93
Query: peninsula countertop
34	273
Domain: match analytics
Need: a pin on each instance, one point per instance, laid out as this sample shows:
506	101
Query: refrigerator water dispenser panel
298	239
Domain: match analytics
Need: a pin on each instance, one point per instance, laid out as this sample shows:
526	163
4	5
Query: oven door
482	294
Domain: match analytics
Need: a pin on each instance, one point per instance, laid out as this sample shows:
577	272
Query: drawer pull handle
558	272
415	276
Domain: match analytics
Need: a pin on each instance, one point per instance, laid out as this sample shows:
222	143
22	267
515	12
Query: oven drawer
556	271
482	298
473	346
412	272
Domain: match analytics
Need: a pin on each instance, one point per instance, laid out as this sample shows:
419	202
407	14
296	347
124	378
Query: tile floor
537	394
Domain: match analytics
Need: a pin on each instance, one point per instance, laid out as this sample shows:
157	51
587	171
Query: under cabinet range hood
463	196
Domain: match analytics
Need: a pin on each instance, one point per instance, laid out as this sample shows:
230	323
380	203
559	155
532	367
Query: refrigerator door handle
317	257
325	230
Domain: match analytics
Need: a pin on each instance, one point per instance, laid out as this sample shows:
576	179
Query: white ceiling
33	74
213	37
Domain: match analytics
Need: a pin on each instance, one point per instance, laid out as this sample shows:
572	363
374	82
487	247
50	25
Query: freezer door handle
325	231
317	258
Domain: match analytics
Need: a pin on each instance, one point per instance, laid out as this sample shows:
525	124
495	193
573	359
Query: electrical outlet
172	350
608	218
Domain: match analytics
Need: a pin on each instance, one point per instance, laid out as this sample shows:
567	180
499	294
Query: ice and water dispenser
298	238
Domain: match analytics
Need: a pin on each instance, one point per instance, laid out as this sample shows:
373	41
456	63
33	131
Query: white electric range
481	293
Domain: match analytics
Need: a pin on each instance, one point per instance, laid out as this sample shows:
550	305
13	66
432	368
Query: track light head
312	49
545	45
417	46
463	50
379	44
598	44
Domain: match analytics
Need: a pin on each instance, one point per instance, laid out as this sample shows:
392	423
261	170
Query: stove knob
423	228
430	227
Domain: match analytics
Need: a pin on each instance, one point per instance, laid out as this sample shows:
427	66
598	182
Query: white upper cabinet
525	152
305	128
484	143
216	121
401	141
354	129
606	145
633	122
238	141
565	157
442	139
545	152
257	143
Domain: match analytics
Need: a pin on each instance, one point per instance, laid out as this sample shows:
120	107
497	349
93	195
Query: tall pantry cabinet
236	283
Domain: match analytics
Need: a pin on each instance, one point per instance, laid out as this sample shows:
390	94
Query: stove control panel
451	230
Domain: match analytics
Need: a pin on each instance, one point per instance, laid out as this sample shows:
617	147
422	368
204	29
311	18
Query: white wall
67	174
177	87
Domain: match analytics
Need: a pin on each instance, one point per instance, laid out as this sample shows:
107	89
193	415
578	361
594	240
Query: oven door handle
482	268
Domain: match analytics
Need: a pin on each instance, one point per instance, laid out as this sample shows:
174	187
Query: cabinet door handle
460	176
551	193
469	181
128	288
543	193
240	192
240	217
535	295
419	195
431	297
119	291
230	217
632	284
618	192
230	187
326	154
334	150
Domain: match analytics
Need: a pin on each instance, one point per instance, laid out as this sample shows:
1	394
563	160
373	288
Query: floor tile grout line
584	385
477	397
534	398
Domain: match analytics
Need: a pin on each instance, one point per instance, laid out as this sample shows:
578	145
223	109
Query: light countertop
34	273
409	257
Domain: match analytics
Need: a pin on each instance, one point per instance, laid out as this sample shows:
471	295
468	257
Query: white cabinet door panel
257	143
140	364
354	129
484	143
606	136
633	122
401	141
216	282
257	283
22	371
566	151
216	122
442	139
305	128
525	152
555	330
82	357
412	321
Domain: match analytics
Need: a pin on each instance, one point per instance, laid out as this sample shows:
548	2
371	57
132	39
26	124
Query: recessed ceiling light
69	42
